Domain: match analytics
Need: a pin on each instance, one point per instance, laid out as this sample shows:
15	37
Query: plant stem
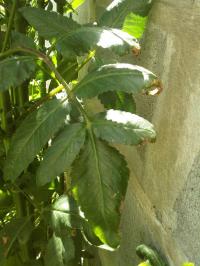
52	68
10	23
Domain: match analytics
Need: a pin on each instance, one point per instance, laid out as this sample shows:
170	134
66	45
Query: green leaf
63	215
68	69
73	39
76	3
62	153
21	40
60	251
123	127
99	177
32	135
117	77
118	100
90	236
111	15
21	68
49	24
135	25
86	38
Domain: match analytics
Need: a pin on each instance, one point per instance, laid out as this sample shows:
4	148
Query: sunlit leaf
74	39
63	215
86	38
117	77
123	127
135	25
76	3
111	15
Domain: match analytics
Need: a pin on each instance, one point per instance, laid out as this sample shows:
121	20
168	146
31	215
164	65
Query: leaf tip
155	88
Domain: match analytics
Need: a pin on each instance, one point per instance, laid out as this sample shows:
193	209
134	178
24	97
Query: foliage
151	257
62	180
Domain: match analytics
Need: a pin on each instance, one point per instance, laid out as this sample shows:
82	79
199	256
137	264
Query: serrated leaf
21	40
49	24
135	25
99	179
117	77
86	38
32	135
62	153
118	100
73	39
63	215
21	68
60	251
123	127
111	15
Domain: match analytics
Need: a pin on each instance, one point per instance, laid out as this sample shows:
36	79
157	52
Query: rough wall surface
162	206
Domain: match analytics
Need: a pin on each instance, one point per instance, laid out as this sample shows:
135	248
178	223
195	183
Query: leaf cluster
63	179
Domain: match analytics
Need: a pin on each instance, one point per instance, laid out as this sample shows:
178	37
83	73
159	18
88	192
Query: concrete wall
162	206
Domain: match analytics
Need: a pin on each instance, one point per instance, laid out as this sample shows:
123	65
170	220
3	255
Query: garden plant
63	181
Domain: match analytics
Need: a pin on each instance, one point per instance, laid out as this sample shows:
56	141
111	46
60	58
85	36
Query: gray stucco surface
162	206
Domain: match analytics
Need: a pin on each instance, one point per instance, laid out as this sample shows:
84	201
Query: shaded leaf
63	215
123	127
32	135
49	24
17	229
99	179
135	25
62	153
117	77
111	15
118	100
21	40
21	68
68	69
59	251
